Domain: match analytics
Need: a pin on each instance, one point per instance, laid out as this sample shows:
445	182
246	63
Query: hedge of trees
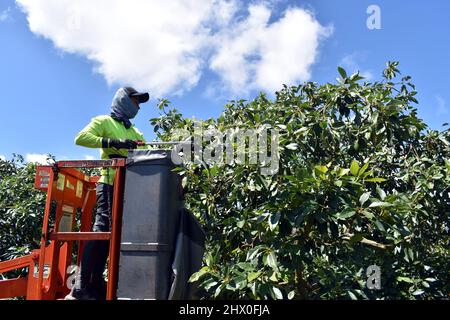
362	181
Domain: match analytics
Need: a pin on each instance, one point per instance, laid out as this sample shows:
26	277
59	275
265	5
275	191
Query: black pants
96	252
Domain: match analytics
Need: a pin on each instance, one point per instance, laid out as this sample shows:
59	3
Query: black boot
98	290
79	294
79	291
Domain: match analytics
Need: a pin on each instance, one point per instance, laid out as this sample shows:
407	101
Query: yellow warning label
70	186
79	191
68	209
61	181
65	224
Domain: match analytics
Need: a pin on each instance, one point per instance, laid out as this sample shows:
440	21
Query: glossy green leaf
354	167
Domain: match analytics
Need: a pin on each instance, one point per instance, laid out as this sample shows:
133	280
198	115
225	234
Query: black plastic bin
151	214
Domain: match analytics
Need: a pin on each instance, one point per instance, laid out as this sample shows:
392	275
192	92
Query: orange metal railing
70	190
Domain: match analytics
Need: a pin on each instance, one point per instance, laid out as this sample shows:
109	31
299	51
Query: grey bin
151	214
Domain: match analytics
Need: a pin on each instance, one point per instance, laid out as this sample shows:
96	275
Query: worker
115	135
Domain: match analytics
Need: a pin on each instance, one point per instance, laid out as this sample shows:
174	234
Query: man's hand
119	143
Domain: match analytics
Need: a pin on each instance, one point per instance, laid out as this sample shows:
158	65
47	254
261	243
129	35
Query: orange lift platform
73	193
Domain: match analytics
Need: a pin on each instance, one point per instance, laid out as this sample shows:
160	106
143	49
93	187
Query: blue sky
53	80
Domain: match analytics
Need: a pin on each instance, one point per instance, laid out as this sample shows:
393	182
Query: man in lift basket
115	135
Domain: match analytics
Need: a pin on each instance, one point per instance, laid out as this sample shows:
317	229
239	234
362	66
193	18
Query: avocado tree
362	182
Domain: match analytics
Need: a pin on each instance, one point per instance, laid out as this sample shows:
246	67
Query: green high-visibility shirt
106	127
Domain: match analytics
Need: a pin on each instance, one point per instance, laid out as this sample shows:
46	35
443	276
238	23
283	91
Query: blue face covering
123	108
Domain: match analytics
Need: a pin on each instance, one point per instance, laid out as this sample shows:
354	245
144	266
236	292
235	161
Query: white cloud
89	157
441	106
257	55
37	158
351	63
5	14
2	157
165	46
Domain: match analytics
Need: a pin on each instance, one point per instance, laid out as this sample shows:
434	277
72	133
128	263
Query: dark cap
141	96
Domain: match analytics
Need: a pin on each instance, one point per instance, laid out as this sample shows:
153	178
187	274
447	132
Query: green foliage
21	209
361	181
